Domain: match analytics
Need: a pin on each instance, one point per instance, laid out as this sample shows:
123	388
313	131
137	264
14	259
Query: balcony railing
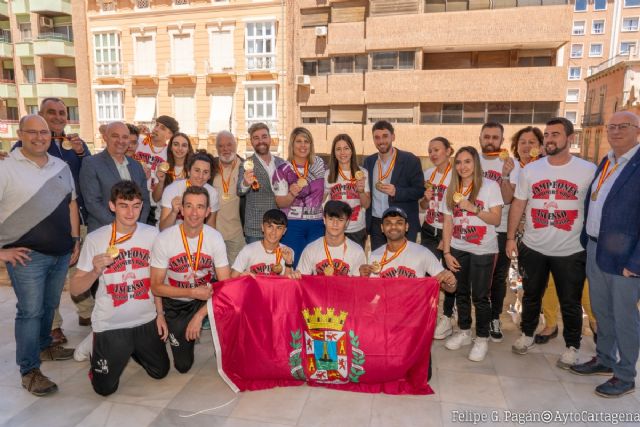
218	67
626	56
108	69
261	61
55	36
5	36
592	120
57	80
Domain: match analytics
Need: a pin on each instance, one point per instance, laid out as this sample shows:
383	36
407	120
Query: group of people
165	221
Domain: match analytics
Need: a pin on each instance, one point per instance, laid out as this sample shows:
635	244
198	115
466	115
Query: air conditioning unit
303	80
321	31
45	21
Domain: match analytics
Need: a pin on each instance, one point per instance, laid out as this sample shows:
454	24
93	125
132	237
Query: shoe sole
591	374
611	396
496	339
459	347
477	360
564	366
441	337
521	352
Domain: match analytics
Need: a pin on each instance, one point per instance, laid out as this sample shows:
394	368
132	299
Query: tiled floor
502	382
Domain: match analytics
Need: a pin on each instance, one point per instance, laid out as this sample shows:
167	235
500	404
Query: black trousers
178	315
360	236
568	275
377	238
112	350
499	282
474	285
430	238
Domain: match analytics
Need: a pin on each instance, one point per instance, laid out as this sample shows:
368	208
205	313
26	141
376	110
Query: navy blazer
408	178
97	175
619	237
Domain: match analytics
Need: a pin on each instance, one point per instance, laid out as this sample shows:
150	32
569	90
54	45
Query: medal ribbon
113	241
328	254
194	266
444	175
352	179
494	153
468	190
384	261
604	175
306	169
225	184
278	255
147	139
188	183
382	177
531	160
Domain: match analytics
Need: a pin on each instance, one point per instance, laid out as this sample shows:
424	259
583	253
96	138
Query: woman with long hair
472	209
349	183
299	188
180	149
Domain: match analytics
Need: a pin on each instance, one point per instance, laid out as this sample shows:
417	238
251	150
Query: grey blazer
97	175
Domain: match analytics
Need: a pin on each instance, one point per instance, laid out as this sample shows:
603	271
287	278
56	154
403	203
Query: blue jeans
301	232
38	287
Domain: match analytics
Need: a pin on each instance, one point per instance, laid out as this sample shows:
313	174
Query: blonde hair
307	135
456	182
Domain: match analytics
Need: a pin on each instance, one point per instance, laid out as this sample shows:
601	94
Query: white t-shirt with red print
492	170
346	191
470	233
169	253
414	261
124	298
177	189
144	153
555	204
347	258
434	216
255	259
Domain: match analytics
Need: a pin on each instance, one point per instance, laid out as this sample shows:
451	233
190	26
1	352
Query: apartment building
213	65
603	32
431	67
38	56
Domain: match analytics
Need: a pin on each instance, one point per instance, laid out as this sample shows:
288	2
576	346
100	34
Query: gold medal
163	167
359	175
428	185
379	185
226	196
113	251
376	267
248	165
534	152
329	270
504	155
276	268
66	144
594	196
302	182
457	197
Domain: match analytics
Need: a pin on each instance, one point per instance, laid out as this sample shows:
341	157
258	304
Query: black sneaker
592	367
615	387
495	331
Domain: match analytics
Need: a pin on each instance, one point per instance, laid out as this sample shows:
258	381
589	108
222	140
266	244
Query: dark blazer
408	178
97	175
619	237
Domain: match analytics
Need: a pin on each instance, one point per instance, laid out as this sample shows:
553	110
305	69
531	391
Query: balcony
53	44
220	72
261	65
109	72
23	49
181	71
28	90
8	130
20	7
510	29
62	7
143	73
468	85
6	48
8	89
4	8
60	88
344	89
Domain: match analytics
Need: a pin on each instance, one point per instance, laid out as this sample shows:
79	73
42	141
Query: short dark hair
133	129
568	126
275	217
194	189
492	125
382	125
337	209
202	155
126	190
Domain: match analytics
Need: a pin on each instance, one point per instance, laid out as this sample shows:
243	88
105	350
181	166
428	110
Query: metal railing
55	36
626	56
265	61
105	69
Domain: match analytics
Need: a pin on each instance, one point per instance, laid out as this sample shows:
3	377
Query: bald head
226	146
35	136
117	138
625	117
623	131
30	119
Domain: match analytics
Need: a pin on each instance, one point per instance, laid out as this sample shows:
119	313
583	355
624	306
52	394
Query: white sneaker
479	350
84	349
522	344
444	328
459	339
568	358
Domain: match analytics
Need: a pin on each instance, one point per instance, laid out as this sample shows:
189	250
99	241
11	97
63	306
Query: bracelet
288	265
511	238
446	253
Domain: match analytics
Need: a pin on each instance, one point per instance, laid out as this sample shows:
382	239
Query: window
630	24
181	2
452	113
599	4
572	116
316	68
502	112
473	113
573	95
260	41
220	113
33	109
535	61
221	50
184	110
13	114
109	105
25	31
347	114
581	6
631	3
260	105
597	26
627	48
108	6
595	49
578	28
106	53
145	109
72	114
182	55
29	73
576	51
314	115
390	113
393	60
142	4
350	64
145	55
575	73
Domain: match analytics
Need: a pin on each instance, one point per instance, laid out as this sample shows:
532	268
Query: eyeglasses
34	132
621	126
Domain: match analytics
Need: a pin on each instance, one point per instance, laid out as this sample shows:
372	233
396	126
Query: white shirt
555	204
414	261
346	191
434	216
169	253
124	298
380	200
177	189
123	169
255	259
492	170
470	233
270	168
347	258
144	153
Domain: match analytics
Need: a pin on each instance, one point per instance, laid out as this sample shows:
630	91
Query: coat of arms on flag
322	353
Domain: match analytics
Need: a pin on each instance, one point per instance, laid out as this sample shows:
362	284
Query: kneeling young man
267	256
333	254
127	319
185	260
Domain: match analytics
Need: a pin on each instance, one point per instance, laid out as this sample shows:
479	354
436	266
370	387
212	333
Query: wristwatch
288	265
76	239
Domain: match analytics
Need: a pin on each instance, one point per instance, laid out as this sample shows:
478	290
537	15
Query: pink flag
347	333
